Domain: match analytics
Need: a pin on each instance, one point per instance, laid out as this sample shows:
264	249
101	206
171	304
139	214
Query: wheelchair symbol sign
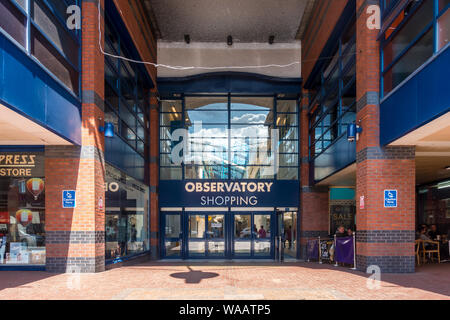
390	198
69	199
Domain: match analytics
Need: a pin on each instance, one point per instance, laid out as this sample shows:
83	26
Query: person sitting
423	234
433	232
340	232
350	232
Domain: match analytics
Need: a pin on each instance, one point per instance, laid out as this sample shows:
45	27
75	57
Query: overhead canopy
214	20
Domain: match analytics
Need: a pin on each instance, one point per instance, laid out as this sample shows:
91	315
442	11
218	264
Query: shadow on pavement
194	276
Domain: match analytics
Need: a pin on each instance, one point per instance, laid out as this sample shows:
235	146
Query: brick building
241	135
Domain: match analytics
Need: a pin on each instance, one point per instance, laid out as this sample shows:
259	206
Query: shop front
22	209
229	169
126	216
208	229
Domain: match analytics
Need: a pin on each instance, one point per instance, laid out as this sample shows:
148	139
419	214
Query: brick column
385	236
75	238
314	209
154	174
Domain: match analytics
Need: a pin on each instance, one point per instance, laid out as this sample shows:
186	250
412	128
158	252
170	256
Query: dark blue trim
417	101
22	148
226	82
21	268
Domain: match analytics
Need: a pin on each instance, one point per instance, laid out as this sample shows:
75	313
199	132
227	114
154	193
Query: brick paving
226	280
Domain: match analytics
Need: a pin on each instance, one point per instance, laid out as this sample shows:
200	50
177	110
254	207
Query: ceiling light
443	185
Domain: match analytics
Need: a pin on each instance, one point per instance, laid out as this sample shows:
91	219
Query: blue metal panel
421	99
28	89
338	156
121	155
224	82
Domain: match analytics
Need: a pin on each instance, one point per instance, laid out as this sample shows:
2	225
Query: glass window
126	219
22	212
444	29
126	93
422	17
51	26
53	61
13	21
414	58
227	140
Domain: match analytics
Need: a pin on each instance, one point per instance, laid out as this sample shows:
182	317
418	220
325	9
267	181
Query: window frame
431	25
74	35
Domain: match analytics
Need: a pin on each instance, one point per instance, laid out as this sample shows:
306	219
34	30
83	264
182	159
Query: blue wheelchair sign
69	199
390	198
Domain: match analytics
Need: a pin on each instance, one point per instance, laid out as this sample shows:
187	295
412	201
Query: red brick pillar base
385	236
75	238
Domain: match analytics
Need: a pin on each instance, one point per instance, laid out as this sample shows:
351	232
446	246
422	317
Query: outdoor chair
431	249
418	249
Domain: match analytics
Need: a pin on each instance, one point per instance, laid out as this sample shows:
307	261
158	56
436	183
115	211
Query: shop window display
22	209
127	222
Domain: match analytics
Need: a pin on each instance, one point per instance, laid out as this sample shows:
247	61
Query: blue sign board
69	199
390	198
229	193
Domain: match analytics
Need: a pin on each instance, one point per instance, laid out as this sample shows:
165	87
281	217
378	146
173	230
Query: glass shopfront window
22	208
127	219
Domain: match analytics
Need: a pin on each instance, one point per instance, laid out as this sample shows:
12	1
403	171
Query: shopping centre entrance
228	233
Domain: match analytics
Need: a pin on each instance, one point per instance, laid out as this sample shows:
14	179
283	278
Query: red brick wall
75	237
385	236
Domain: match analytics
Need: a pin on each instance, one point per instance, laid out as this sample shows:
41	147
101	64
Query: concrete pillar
385	236
75	238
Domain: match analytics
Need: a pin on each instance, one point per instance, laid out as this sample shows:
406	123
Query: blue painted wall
225	82
26	88
421	99
338	156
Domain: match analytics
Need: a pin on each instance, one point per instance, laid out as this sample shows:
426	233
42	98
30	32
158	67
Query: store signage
390	198
361	202
342	215
241	193
69	199
20	164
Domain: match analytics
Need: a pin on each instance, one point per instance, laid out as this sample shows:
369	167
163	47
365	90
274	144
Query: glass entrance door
173	237
252	236
206	235
231	235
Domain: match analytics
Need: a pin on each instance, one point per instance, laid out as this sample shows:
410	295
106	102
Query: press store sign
248	193
21	164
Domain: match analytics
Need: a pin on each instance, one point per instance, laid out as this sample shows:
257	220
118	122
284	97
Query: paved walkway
227	280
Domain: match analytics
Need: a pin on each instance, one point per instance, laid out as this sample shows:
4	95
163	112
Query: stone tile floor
227	280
